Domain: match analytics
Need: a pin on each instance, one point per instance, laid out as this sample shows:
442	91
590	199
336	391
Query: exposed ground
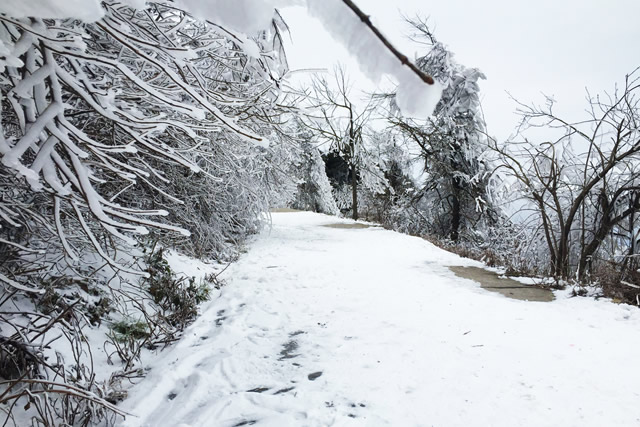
510	288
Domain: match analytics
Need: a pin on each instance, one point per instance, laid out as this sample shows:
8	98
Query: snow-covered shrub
386	178
46	368
219	212
97	117
129	329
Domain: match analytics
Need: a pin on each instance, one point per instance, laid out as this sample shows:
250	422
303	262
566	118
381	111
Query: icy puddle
508	287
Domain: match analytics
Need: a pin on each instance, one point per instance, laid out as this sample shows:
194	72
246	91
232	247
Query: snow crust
320	326
414	97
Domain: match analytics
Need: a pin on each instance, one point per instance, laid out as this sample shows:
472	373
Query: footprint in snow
314	376
221	318
283	390
288	350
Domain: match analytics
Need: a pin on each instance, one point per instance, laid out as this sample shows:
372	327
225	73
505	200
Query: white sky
556	47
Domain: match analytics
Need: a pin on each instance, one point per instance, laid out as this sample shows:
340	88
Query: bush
178	298
126	329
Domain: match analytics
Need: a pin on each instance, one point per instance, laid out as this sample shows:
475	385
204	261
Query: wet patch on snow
349	225
508	287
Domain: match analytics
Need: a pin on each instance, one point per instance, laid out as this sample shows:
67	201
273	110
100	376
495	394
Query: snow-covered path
321	326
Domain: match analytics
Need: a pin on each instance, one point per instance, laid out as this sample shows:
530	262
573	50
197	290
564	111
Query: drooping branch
401	57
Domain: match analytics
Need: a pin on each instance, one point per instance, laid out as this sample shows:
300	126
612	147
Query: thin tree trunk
591	248
455	211
354	191
562	262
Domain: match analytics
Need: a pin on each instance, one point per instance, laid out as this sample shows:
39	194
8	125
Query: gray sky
526	48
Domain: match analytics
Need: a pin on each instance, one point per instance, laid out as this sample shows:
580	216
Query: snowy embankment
324	326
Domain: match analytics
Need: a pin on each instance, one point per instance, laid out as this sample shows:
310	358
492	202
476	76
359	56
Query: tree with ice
580	190
107	126
452	142
313	190
340	125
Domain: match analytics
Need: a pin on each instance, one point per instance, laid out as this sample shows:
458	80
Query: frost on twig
92	111
418	94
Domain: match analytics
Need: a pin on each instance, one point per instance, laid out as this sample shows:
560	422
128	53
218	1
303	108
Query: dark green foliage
99	310
177	297
337	169
126	329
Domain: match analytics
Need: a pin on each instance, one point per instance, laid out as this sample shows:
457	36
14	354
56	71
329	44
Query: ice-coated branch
98	119
401	57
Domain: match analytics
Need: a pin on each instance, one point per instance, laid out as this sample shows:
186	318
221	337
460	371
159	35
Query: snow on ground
365	327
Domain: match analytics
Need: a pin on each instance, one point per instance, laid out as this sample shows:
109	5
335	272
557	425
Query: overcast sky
556	47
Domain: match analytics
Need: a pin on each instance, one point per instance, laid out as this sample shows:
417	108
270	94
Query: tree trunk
455	210
562	260
607	223
354	191
604	229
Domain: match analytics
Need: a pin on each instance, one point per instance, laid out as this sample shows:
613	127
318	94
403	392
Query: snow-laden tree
339	123
307	168
105	127
390	186
452	143
581	188
93	112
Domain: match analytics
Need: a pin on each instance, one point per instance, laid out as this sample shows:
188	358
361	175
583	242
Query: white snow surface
399	340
